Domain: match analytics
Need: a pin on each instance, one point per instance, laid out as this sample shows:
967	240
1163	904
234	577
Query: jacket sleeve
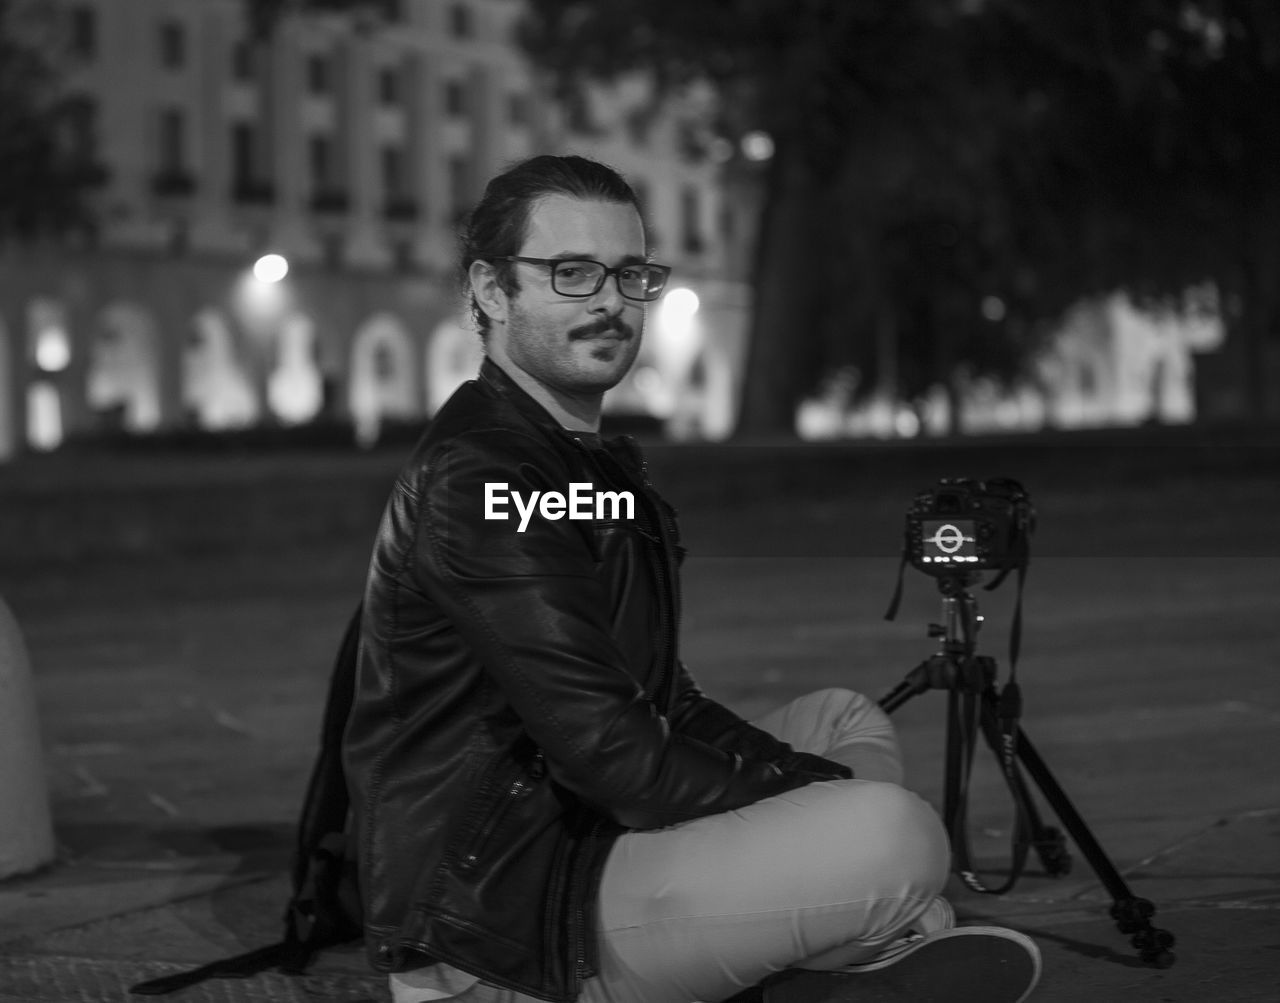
698	716
529	604
695	714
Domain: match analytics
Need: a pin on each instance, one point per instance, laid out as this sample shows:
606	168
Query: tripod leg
952	798
1132	914
1048	841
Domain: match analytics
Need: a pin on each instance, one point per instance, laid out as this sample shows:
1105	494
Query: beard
588	358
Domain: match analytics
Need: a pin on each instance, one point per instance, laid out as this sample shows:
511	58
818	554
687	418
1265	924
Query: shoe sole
963	965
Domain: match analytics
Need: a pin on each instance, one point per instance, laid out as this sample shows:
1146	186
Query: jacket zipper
578	894
670	614
515	790
669	621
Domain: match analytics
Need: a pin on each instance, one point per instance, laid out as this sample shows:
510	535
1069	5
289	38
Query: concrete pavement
180	694
86	930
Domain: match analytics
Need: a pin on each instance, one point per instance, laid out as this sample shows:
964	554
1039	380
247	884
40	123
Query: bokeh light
53	349
757	146
270	268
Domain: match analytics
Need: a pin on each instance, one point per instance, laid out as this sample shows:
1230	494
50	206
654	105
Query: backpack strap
322	909
242	966
324	811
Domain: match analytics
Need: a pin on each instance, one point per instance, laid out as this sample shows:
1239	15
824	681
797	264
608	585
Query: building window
318	81
244	160
327	194
247	184
332	250
83	32
518	109
639	123
578	115
242	60
455	98
389	86
398	203
459	186
393	173
402	258
171	178
173	141
80	129
460	23
320	158
173	45
728	223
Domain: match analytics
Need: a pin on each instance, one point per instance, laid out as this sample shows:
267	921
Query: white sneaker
963	964
938	916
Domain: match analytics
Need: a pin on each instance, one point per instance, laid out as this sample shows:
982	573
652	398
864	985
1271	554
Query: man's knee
899	833
838	700
848	709
852	729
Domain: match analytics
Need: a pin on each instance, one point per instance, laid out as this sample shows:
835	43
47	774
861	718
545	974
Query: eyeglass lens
583	278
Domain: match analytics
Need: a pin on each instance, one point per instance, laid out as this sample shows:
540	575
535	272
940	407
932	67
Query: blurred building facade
349	147
1110	363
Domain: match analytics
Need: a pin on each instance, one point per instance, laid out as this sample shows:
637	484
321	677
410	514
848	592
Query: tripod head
955	531
960	618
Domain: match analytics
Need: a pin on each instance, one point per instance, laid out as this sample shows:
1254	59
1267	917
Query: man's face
575	345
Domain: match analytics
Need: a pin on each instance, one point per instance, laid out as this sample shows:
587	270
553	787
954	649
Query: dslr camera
962	525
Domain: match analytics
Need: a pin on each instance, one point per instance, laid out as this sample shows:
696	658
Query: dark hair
498	225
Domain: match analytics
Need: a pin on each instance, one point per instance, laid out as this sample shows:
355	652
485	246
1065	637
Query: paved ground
180	685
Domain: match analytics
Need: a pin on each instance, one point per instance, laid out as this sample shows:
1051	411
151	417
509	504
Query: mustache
606	325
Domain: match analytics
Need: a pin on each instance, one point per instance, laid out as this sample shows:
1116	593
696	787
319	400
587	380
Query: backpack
324	905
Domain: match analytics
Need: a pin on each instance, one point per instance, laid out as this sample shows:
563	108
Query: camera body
963	525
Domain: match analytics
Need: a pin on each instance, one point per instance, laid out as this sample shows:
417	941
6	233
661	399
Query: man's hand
813	767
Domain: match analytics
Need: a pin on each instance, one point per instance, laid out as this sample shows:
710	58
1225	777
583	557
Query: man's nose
608	298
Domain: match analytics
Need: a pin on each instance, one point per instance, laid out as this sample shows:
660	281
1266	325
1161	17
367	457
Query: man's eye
570	271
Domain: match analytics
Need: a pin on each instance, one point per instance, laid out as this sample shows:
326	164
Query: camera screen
948	541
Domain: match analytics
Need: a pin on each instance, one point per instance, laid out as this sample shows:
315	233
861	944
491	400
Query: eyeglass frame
604	276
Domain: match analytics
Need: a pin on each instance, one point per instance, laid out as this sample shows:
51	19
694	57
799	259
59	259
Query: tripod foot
1153	947
1152	943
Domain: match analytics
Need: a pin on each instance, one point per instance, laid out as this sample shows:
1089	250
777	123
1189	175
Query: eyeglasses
584	277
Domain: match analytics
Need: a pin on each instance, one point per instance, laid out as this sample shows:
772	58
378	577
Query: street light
270	268
678	308
53	349
757	146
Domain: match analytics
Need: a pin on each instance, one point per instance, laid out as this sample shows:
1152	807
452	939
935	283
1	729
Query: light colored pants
819	877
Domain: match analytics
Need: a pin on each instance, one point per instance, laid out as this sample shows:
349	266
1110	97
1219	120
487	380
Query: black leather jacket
520	701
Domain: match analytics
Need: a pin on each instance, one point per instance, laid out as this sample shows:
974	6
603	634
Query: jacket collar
496	380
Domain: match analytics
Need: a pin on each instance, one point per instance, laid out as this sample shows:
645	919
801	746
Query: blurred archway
216	388
124	372
49	353
454	354
382	381
295	388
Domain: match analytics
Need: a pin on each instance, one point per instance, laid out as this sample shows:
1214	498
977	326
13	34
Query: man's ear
489	294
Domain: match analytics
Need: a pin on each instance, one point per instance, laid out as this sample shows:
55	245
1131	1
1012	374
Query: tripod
973	703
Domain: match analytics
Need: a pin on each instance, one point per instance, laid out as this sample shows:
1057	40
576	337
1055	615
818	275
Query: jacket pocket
510	788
